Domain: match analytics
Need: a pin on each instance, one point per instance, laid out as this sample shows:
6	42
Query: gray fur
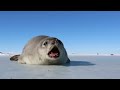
35	52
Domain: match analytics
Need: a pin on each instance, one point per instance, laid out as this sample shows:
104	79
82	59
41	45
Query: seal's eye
45	43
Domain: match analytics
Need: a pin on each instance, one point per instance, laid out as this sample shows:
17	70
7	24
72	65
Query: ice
81	67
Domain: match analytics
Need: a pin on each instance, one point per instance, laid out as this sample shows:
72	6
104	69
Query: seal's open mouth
54	53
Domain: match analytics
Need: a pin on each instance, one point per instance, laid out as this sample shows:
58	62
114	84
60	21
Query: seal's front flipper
14	58
68	61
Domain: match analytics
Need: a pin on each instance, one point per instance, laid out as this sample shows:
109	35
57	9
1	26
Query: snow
6	54
81	67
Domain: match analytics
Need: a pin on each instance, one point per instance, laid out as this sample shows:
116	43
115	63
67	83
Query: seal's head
52	51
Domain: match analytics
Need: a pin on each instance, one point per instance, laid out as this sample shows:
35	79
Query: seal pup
43	50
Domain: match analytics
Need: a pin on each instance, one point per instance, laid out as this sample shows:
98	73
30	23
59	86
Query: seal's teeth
53	55
56	54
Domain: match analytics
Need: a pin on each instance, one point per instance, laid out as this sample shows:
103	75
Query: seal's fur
40	50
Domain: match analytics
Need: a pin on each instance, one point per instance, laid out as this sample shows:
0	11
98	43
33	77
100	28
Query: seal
43	50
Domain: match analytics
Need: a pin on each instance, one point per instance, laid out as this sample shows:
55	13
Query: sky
83	32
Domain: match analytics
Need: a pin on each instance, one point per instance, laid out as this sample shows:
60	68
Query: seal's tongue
54	53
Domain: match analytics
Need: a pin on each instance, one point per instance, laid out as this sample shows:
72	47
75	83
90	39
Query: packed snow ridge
6	54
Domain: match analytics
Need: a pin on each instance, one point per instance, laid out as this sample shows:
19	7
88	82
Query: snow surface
81	67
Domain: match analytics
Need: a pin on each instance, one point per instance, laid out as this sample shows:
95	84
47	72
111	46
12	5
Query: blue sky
84	32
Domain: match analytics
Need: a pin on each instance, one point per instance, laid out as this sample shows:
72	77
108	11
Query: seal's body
43	50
